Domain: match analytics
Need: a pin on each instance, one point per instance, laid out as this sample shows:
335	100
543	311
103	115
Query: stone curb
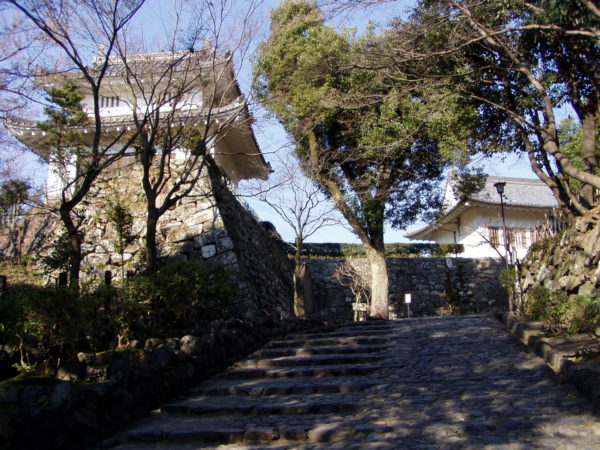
586	381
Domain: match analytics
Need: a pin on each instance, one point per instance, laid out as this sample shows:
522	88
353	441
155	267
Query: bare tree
186	104
301	204
177	104
355	276
72	29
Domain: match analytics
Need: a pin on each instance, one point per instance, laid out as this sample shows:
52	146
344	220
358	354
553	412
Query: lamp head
500	187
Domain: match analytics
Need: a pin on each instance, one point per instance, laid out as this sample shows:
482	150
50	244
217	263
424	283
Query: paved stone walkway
445	382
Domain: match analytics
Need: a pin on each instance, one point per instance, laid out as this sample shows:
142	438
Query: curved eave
28	132
193	65
240	154
425	233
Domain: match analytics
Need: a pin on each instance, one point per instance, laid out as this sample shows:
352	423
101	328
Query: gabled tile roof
517	192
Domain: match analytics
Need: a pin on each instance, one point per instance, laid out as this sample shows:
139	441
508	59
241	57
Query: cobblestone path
446	382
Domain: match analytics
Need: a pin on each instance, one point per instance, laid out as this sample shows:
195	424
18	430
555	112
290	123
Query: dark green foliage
72	160
62	136
45	324
13	194
376	147
391	250
586	315
50	325
376	142
180	295
561	313
543	304
520	63
60	256
121	218
467	184
119	215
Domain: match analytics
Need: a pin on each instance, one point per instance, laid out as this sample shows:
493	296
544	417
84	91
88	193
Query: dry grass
24	273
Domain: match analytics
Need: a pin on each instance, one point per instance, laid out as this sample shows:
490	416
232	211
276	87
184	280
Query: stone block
191	345
9	393
208	251
229	258
60	395
224	244
330	432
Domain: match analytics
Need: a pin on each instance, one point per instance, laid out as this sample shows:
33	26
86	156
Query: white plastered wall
473	230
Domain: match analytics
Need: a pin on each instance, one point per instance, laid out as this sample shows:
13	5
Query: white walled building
200	91
477	222
202	96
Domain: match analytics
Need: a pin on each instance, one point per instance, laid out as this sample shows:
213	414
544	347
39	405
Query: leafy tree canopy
518	63
374	141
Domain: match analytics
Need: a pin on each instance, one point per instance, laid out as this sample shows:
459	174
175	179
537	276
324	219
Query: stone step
296	372
302	386
357	332
318	360
322	342
174	431
245	405
311	351
371	325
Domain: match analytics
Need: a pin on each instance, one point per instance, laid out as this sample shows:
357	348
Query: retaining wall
437	286
103	392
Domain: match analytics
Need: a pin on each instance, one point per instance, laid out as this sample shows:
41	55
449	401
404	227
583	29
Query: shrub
181	295
331	250
60	257
573	314
46	324
586	315
549	306
50	325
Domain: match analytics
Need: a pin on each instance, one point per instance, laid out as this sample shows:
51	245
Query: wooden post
107	277
62	279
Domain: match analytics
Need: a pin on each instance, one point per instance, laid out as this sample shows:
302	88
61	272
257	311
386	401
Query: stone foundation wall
467	285
209	225
569	262
125	384
266	270
193	229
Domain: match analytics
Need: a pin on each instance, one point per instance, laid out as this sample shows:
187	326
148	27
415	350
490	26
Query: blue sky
271	136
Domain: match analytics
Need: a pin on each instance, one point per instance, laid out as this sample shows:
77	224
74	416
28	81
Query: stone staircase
301	390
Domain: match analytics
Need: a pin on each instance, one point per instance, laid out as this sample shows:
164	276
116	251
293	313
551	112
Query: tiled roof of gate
517	192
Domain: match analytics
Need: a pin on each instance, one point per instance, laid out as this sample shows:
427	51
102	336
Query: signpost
407	300
359	310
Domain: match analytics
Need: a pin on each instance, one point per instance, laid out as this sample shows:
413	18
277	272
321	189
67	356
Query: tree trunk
75	244
299	304
122	265
588	153
151	248
379	280
75	266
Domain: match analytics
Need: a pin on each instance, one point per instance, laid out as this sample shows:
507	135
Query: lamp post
508	256
500	189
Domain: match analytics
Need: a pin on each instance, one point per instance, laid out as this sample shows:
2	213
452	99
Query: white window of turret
109	102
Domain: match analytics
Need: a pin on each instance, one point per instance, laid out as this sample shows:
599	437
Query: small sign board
360	307
407	298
